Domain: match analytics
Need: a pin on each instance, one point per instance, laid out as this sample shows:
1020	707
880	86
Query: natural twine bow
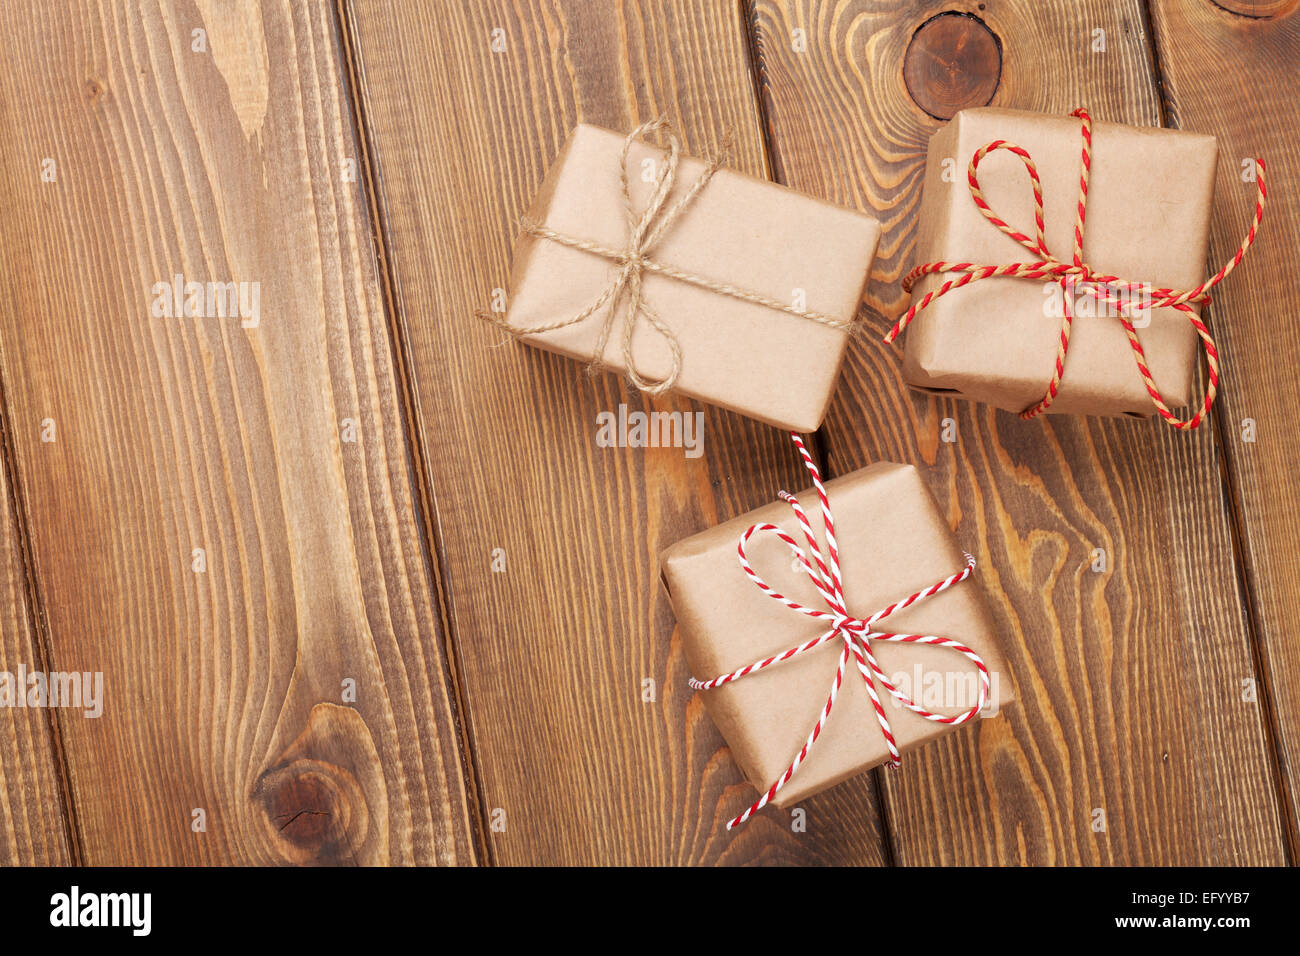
855	632
644	231
1077	272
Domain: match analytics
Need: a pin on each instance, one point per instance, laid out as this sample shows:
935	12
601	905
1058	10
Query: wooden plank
1130	681
1248	101
223	685
34	821
554	651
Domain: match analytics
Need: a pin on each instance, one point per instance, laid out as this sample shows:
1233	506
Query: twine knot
856	633
1107	289
848	627
1081	273
624	296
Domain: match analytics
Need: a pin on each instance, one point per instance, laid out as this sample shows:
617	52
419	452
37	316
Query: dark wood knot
324	799
311	806
953	61
1258	9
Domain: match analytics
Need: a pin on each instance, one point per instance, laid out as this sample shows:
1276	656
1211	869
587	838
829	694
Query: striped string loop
1078	275
856	634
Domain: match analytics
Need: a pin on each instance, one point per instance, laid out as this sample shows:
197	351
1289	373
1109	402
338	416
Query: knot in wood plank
953	61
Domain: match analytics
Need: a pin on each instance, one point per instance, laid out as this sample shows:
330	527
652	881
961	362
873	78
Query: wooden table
363	588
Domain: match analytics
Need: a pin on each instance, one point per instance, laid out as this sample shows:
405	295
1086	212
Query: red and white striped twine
856	633
1103	288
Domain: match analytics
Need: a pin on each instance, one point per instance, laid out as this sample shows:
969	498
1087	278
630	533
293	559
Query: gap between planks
425	498
1237	532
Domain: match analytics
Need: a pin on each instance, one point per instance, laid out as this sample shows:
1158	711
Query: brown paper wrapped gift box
892	541
755	235
1148	221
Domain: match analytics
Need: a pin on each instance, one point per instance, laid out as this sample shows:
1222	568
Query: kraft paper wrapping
752	234
1148	221
893	541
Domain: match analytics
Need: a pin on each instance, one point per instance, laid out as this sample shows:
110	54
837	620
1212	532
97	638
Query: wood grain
1248	102
224	689
1129	681
553	652
34	819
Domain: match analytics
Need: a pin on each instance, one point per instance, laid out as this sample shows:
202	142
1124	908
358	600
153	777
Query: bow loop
665	177
1038	245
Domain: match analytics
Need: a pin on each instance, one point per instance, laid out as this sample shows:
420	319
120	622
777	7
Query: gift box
726	288
996	341
892	543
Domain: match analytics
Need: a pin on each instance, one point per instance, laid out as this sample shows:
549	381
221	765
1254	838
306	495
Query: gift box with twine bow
1060	266
685	275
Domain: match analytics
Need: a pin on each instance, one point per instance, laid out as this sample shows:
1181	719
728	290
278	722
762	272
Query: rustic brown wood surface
35	825
1248	100
554	651
224	682
1130	680
483	572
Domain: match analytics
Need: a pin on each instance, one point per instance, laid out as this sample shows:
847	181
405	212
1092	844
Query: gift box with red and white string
834	630
1061	266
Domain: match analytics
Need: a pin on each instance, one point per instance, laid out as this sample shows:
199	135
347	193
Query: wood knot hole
953	62
307	809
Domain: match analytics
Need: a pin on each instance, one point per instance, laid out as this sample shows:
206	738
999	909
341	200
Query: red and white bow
856	633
